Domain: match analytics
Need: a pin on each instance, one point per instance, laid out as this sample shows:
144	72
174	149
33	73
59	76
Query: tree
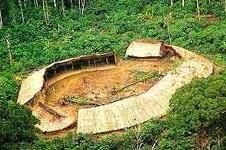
82	4
167	21
16	124
71	2
171	2
198	9
224	5
21	11
1	22
36	3
45	11
25	4
54	3
182	3
9	50
62	7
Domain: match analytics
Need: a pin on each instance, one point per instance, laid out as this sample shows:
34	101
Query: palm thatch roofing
35	81
145	48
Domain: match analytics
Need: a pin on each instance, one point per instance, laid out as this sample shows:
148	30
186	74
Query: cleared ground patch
69	92
131	77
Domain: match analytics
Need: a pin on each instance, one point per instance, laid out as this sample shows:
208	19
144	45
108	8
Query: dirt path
154	103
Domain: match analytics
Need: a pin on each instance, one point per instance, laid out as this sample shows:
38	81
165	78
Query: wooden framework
168	51
83	62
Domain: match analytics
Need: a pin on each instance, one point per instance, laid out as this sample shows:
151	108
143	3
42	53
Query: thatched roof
153	103
144	48
31	86
35	81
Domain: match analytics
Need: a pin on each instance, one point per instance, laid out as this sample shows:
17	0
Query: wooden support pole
73	67
107	60
94	61
55	72
115	59
88	62
65	68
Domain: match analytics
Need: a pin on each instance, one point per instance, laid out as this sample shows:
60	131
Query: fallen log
131	84
50	110
146	78
121	98
79	101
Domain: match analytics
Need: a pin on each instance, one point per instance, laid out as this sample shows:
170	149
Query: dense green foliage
196	118
197	110
16	123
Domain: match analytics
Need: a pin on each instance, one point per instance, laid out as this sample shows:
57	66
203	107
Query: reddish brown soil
100	86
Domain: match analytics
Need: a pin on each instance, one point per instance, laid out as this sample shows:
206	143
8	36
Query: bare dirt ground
102	87
95	88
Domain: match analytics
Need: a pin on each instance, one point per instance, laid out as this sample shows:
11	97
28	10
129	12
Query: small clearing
68	93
